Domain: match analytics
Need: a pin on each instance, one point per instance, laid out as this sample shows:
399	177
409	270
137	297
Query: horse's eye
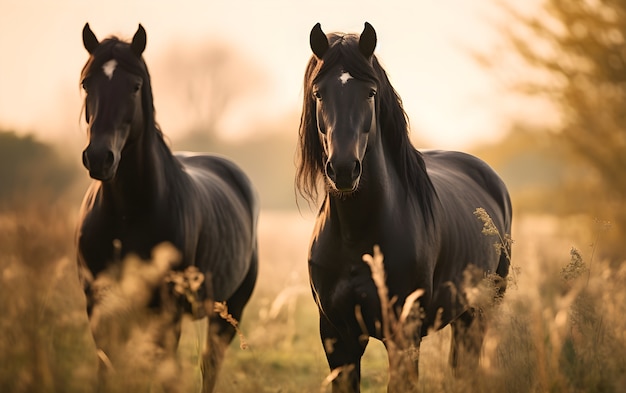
317	95
83	84
137	87
372	93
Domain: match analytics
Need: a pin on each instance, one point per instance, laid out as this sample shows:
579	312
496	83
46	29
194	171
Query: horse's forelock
113	48
344	51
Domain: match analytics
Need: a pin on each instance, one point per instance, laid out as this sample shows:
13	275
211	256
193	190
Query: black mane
392	119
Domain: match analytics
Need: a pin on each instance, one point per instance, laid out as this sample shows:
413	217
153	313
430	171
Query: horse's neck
373	200
140	180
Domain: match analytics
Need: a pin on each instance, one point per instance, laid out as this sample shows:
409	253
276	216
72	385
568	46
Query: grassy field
561	327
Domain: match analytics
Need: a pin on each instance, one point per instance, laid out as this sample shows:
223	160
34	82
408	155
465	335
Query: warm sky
424	45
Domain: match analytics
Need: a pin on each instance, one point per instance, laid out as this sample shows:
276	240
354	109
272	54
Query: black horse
379	190
144	195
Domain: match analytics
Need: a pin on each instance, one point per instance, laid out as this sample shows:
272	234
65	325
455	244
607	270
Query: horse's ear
367	41
89	39
139	41
319	41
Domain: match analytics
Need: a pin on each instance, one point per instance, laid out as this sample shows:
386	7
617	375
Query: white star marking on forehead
109	67
345	77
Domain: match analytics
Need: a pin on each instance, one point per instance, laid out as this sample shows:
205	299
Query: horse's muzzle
344	177
101	163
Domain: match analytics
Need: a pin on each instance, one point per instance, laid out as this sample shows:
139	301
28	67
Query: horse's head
344	92
113	103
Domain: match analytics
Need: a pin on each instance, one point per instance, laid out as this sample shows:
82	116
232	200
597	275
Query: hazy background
227	75
535	88
451	101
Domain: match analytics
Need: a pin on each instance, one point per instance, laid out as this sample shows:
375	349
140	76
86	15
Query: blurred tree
200	81
30	169
576	51
541	176
267	157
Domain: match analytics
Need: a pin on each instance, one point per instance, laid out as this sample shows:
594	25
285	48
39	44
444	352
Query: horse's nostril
356	171
330	171
109	159
85	159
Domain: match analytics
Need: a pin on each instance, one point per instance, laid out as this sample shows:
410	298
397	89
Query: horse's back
204	166
229	204
466	179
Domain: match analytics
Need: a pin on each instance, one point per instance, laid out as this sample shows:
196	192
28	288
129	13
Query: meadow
560	327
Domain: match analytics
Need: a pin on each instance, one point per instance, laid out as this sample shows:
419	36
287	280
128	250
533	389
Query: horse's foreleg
343	353
165	324
220	331
220	334
468	334
167	369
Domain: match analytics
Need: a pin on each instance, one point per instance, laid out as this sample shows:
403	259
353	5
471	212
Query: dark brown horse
379	190
144	195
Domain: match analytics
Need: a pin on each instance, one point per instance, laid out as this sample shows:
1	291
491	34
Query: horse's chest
400	253
338	268
343	281
341	289
104	239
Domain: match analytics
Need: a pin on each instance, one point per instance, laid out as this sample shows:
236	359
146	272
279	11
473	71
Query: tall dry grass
556	329
561	328
44	341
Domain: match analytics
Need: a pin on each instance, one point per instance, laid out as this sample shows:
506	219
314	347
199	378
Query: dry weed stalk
391	325
397	329
187	283
334	374
504	242
375	262
222	309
